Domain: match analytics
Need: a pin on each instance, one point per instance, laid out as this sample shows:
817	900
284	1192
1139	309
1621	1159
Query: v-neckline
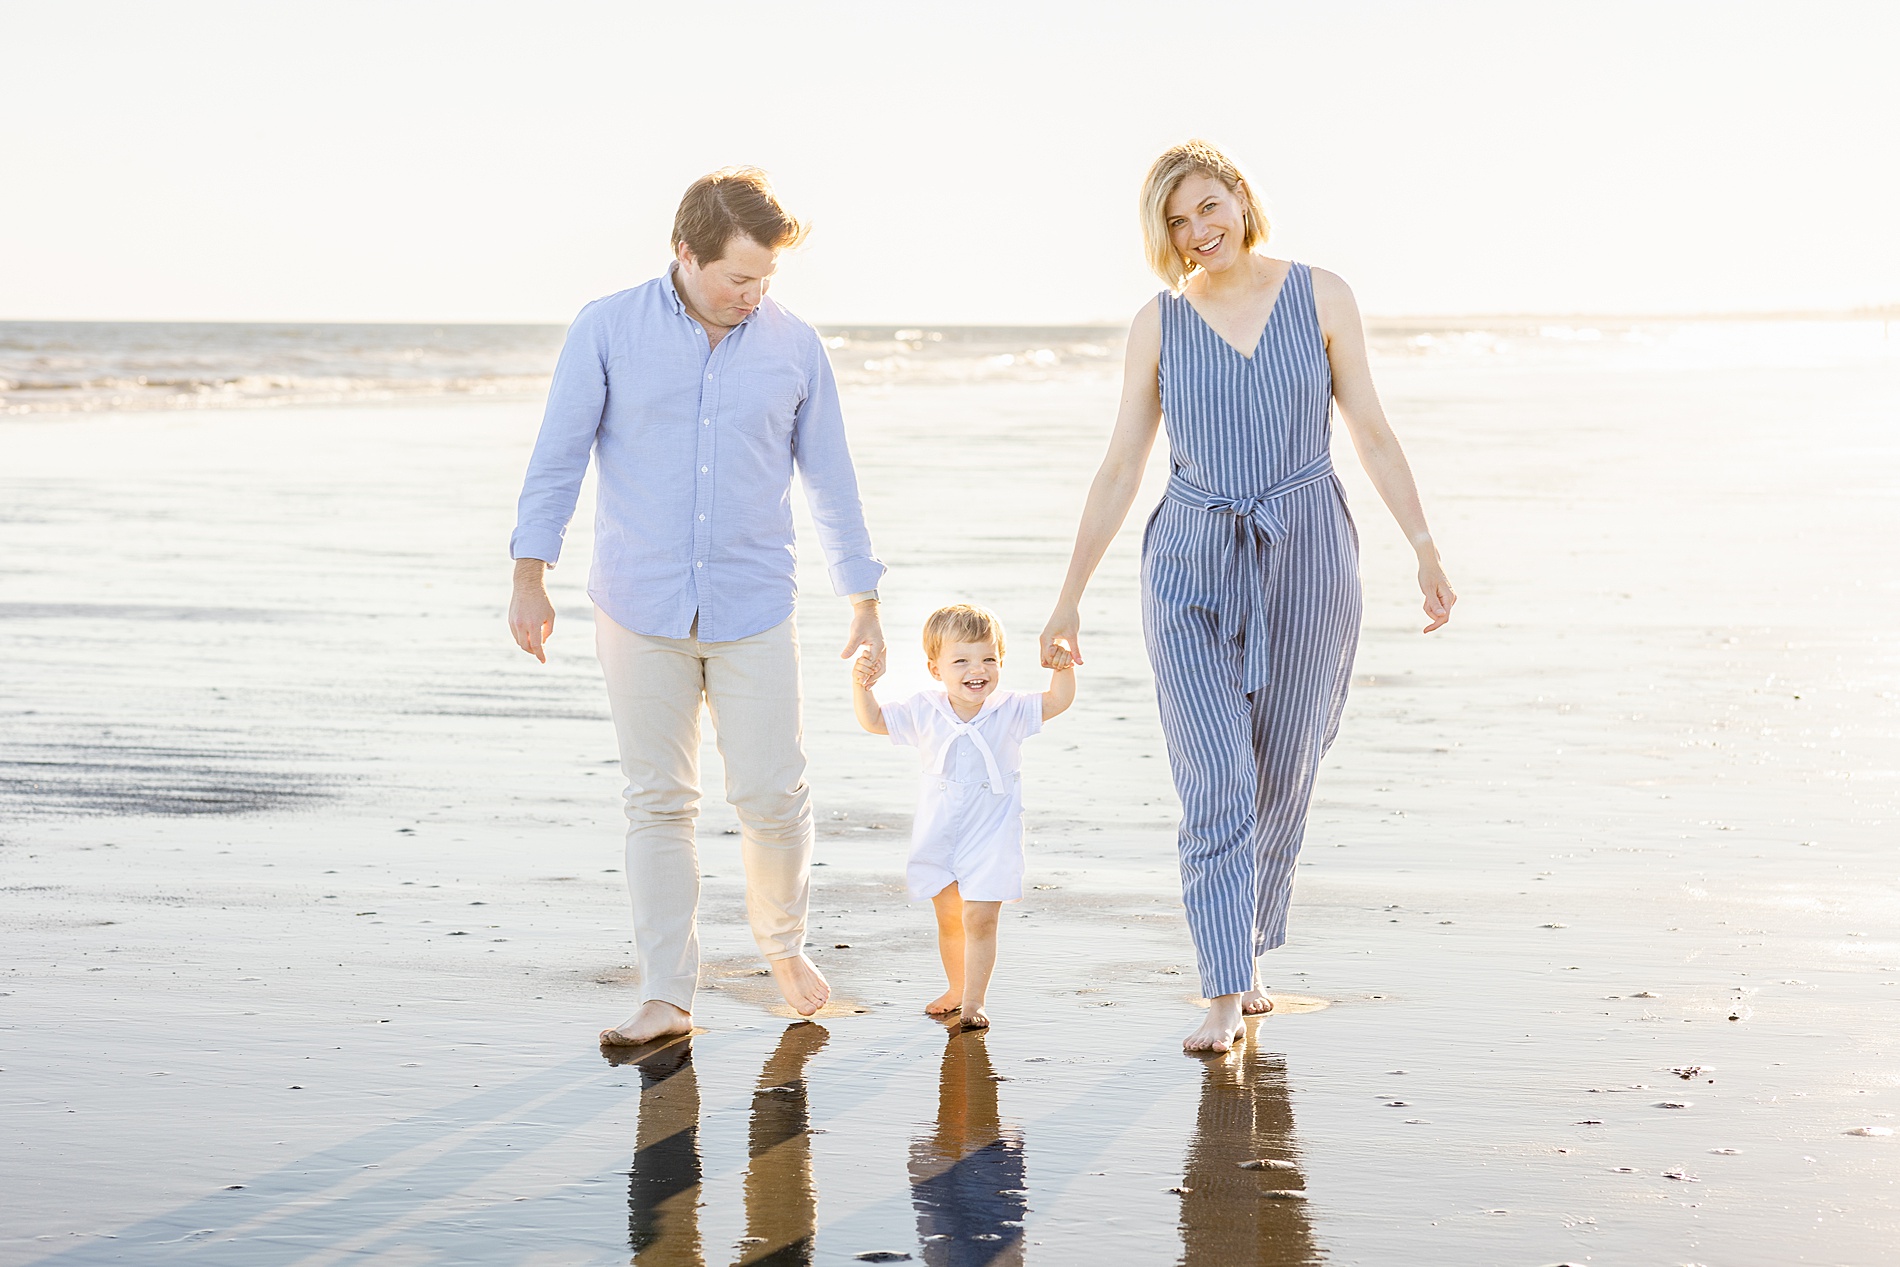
1264	326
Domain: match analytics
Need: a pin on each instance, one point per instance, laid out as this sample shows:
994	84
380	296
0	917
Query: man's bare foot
975	1018
944	1004
799	980
1222	1028
1255	1003
654	1020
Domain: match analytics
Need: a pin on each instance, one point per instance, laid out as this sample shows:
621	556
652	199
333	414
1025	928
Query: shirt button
705	422
709	378
699	563
704	469
702	519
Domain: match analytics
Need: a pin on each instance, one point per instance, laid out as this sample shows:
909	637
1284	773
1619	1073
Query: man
697	395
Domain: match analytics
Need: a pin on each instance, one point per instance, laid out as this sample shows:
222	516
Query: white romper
969	825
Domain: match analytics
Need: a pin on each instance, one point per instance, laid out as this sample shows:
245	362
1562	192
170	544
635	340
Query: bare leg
654	1020
979	959
1221	1030
949	906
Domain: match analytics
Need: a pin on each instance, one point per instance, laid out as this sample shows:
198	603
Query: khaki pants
751	688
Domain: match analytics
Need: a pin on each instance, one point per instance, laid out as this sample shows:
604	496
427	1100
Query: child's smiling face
969	671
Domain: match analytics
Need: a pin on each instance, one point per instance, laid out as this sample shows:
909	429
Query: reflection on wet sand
1228	1213
663	1184
967	1177
781	1202
663	1191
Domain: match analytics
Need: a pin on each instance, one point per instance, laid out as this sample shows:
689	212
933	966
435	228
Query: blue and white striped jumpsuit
1250	602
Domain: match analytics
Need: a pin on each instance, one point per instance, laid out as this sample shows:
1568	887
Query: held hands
1061	644
865	636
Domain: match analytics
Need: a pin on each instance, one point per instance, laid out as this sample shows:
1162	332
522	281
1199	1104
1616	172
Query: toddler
966	849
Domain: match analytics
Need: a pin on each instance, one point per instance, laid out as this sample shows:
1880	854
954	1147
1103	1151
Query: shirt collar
672	291
679	305
942	700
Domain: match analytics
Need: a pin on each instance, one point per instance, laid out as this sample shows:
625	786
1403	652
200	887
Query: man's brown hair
731	201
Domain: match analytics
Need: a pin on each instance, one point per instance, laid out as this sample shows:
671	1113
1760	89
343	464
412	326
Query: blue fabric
1251	570
696	449
1250	603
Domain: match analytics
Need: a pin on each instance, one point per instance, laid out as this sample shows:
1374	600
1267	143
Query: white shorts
966	833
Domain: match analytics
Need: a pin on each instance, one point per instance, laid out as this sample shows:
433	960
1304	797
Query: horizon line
1872	312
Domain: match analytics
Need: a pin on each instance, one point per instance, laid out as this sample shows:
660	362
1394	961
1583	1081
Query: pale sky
413	160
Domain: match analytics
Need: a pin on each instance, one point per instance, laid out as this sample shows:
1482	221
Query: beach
312	889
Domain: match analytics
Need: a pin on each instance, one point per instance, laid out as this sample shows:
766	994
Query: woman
1250	564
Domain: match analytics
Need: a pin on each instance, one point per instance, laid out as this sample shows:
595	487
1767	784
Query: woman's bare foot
654	1020
1222	1028
945	1003
975	1018
1255	1003
799	980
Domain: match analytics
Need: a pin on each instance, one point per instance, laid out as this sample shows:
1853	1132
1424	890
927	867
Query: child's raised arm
1061	692
863	702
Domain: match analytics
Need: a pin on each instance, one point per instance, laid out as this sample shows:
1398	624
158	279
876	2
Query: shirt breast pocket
768	401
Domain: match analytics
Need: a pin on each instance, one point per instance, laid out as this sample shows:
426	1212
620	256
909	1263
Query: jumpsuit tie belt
1254	562
965	729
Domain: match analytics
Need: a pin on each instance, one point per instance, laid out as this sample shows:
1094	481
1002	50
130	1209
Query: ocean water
87	367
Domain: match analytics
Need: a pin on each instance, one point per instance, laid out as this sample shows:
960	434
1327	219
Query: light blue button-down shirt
696	449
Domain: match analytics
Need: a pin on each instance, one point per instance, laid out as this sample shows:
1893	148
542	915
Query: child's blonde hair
961	622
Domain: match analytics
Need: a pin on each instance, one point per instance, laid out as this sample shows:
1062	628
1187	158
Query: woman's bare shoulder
1329	285
1145	329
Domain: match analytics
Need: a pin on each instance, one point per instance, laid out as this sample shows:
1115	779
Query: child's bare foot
1255	1003
654	1020
799	980
944	1004
1221	1031
975	1018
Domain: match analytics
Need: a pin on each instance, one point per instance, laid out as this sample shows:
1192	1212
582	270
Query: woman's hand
1436	588
1061	645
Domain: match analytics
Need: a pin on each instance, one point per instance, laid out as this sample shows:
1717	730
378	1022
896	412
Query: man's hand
867	635
530	611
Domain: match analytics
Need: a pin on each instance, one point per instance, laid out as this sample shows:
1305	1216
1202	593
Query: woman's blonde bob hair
1188	159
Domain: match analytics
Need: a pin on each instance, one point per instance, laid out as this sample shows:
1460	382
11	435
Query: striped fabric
1250	603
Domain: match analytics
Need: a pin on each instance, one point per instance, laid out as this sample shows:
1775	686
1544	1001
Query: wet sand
312	895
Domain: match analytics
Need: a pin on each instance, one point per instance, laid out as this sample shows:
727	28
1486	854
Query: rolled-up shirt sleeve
831	482
576	398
